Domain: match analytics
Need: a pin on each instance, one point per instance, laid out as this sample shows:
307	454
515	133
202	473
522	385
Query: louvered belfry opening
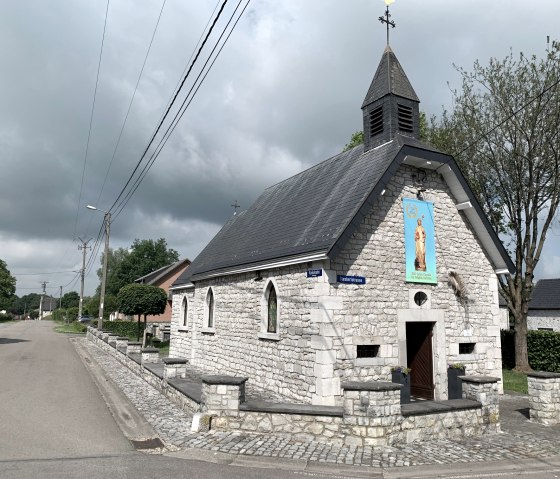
376	121
391	106
405	118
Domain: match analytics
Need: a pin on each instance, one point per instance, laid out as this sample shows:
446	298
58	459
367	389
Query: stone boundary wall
372	414
544	397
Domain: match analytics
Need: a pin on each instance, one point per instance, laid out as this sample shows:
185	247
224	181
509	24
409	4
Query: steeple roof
389	78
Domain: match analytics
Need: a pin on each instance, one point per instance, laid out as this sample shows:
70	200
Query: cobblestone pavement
521	439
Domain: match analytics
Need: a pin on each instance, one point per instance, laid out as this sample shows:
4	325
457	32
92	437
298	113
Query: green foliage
543	348
7	286
6	317
143	299
511	158
73	328
145	256
34	314
91	307
71	300
25	304
514	381
130	329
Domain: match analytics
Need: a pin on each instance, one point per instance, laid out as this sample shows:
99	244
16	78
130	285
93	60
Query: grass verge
514	381
73	328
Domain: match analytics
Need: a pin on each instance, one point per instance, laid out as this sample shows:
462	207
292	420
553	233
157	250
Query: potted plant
454	384
401	375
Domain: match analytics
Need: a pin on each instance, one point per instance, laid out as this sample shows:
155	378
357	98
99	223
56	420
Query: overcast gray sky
285	94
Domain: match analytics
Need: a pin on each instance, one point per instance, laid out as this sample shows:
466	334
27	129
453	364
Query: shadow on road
12	340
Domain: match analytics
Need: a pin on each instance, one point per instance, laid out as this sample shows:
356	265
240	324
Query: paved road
47	398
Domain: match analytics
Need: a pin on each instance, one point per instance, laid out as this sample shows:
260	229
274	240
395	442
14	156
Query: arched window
185	311
272	310
210	308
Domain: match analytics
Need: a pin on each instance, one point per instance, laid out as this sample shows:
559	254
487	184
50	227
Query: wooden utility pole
83	247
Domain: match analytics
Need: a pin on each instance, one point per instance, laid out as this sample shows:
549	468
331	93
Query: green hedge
123	328
6	317
543	348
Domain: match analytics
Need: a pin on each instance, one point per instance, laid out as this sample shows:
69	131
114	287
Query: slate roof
389	78
315	211
546	294
155	276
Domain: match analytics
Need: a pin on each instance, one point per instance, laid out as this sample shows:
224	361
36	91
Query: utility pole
83	247
44	285
60	300
107	219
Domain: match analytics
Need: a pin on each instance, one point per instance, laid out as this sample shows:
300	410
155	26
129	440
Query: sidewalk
520	439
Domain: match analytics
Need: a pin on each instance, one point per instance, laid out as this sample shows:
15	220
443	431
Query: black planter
454	384
404	379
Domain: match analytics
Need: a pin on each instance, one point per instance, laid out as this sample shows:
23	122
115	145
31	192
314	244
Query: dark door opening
420	359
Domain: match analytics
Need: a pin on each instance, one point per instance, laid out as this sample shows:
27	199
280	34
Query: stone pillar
174	368
121	341
544	397
221	395
485	390
133	347
112	340
149	355
372	412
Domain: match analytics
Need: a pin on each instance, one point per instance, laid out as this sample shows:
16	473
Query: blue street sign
350	279
313	273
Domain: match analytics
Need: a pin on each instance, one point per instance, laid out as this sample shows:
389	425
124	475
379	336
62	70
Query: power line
130	104
182	109
170	104
91	120
45	273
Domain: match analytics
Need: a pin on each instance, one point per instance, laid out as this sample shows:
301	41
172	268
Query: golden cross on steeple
386	17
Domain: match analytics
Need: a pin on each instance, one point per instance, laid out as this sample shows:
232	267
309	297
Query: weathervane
386	17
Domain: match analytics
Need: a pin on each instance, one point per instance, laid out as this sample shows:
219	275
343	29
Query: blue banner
419	241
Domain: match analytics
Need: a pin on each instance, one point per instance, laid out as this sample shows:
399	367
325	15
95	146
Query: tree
70	300
7	286
141	299
26	303
504	133
357	137
144	256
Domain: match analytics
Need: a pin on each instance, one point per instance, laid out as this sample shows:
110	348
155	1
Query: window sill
269	336
183	329
377	361
208	330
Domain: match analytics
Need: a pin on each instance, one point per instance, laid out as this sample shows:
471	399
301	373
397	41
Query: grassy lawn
73	327
514	381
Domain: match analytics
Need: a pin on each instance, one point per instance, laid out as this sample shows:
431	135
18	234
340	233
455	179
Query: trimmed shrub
543	348
123	328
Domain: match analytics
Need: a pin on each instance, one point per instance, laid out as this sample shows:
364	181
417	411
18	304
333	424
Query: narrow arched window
185	311
272	310
210	305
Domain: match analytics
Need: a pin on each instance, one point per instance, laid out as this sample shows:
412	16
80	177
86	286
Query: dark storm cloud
284	95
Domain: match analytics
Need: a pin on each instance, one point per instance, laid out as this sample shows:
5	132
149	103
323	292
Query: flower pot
404	379
454	384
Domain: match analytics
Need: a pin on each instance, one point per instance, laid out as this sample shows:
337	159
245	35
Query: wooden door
420	359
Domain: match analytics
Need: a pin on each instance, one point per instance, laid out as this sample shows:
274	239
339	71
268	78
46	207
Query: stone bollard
174	368
121	344
221	395
150	355
112	340
544	397
372	412
484	389
133	347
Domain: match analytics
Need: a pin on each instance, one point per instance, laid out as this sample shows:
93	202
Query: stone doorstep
422	408
370	386
223	380
174	361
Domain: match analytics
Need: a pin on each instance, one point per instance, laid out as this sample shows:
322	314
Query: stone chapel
375	258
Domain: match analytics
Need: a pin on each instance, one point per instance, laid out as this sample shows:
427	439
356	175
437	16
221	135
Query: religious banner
419	241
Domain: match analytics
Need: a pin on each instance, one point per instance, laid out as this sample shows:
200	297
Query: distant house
163	278
544	308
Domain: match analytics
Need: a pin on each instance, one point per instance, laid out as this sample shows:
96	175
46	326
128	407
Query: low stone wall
544	397
371	415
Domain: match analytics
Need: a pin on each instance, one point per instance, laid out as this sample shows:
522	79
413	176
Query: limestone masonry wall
322	322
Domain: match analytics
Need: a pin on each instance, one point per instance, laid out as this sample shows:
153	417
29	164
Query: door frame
439	352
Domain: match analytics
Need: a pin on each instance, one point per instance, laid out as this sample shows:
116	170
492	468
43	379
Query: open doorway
420	358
